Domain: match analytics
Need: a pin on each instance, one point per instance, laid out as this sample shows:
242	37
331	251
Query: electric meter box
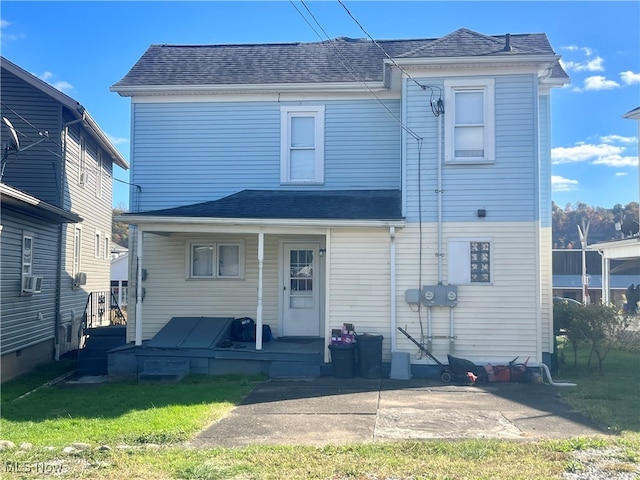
439	295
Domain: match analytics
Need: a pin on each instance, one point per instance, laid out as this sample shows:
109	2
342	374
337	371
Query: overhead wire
347	65
437	107
57	143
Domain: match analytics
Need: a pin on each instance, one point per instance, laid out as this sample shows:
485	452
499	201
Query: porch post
260	272
139	288
606	295
392	255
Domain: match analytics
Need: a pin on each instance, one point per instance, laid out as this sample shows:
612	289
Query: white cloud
629	77
574	48
617	161
598	82
61	85
4	23
561	184
618	139
117	140
590	65
621	174
583	152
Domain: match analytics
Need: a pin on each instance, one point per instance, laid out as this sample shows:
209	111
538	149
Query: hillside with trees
119	230
605	224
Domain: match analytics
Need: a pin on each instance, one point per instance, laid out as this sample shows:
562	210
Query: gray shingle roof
336	60
294	204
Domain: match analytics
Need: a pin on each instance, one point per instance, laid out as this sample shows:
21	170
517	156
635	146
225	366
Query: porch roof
286	205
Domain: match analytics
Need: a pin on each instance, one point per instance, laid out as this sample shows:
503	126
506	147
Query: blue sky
84	47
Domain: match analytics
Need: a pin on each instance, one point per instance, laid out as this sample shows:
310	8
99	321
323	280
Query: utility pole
583	234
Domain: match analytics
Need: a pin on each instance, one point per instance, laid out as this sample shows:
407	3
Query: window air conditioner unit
32	284
80	279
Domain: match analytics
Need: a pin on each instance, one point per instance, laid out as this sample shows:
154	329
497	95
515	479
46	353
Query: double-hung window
470	262
77	249
469	121
302	144
82	164
27	255
211	260
99	175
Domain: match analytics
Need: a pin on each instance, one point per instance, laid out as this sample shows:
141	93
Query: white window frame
286	114
106	247
487	88
82	161
215	249
97	247
459	261
99	175
77	250
27	266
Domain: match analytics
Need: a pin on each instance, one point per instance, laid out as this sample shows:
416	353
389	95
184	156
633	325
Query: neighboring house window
302	144
99	175
106	247
27	255
216	260
469	121
82	167
77	247
470	262
98	244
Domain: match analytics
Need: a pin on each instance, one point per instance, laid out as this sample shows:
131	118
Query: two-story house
57	177
395	183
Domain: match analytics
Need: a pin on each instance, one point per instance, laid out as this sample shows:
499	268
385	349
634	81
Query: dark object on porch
460	367
369	349
244	330
343	360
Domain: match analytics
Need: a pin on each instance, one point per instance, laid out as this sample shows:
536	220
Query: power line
346	64
436	107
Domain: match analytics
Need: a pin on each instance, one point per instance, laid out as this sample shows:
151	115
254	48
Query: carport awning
318	207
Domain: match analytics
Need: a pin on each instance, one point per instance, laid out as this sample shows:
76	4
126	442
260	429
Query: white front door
301	289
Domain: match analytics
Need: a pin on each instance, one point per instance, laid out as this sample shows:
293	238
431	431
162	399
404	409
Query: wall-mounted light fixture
322	251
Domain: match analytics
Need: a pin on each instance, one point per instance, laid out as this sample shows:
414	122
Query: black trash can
343	360
369	355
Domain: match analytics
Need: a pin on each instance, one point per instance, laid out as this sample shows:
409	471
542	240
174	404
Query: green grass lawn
142	427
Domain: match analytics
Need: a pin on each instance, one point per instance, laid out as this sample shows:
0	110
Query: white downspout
392	256
439	195
139	289
260	277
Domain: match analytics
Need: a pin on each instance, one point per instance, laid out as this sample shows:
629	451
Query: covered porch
268	255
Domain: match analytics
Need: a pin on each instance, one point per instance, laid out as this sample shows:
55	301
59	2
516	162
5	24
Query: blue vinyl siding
545	161
193	152
21	325
506	189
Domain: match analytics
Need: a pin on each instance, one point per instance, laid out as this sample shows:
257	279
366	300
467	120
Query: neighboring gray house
384	184
56	219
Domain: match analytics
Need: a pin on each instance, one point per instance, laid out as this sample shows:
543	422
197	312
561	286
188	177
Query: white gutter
347	87
133	219
392	256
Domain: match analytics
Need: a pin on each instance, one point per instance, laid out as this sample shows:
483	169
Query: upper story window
470	262
469	121
82	165
302	144
77	248
27	255
99	175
